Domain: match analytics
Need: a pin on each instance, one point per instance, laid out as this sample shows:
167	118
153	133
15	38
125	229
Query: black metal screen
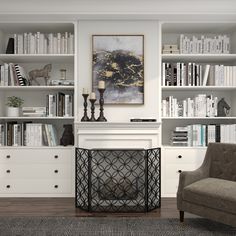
113	180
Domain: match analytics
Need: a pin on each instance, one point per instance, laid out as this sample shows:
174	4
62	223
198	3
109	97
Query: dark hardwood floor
66	207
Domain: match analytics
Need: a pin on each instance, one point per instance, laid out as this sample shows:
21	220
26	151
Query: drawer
184	156
20	156
173	171
43	171
26	186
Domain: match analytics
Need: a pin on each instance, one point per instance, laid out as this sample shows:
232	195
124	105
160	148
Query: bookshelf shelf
199	57
36	118
23	88
199	118
198	88
36	147
50	58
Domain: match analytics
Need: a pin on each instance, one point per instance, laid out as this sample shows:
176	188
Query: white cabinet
30	171
176	160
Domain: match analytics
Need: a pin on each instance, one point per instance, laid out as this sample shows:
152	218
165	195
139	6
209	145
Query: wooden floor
66	207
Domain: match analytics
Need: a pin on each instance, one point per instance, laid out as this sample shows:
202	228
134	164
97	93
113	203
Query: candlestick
101	84
85	117
92	109
92	96
101	103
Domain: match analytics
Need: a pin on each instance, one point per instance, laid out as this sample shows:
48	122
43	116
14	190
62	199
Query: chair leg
181	216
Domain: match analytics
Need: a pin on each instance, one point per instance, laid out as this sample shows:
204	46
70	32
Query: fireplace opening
114	180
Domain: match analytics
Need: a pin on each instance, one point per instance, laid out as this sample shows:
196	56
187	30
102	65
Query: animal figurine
222	108
43	73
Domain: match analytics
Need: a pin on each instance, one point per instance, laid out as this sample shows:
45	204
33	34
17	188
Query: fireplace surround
118	180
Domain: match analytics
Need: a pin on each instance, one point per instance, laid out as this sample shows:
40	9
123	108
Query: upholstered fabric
211	192
223	162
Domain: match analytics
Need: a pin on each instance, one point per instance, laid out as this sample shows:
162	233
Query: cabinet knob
56	171
8	171
8	186
8	156
55	186
179	156
179	171
56	156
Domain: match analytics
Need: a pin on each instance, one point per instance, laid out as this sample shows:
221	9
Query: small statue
67	136
37	73
222	108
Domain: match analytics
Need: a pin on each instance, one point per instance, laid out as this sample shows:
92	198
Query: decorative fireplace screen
114	180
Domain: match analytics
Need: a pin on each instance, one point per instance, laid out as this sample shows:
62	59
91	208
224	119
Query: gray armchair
210	191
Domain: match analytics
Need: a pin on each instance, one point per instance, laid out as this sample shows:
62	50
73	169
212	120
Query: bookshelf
50	168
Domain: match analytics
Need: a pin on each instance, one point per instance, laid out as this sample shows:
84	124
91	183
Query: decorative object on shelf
119	61
170	49
10	46
101	89
14	106
40	73
92	100
143	120
56	82
222	108
85	96
67	136
63	74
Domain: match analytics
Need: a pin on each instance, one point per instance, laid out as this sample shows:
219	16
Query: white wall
150	30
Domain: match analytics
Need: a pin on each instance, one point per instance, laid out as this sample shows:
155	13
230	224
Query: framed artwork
119	61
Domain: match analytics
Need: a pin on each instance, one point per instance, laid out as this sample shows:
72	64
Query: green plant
14	101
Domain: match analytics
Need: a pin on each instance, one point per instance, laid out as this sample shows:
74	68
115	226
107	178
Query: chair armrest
188	177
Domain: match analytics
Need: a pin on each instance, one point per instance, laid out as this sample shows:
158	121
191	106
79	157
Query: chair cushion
212	192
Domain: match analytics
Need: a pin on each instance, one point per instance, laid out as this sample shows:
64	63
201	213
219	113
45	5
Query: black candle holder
92	109
101	103
85	117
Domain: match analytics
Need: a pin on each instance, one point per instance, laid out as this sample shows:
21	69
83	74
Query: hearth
115	180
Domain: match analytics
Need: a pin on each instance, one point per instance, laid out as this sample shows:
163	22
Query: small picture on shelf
119	61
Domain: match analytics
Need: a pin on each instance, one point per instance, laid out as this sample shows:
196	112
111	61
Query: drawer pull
8	156
179	156
56	171
8	186
56	156
179	171
8	171
55	186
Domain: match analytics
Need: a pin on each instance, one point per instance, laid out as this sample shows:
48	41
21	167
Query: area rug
110	226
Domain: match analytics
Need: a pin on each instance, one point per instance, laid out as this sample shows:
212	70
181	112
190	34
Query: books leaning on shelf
27	134
201	105
193	74
197	45
41	43
60	104
12	75
200	135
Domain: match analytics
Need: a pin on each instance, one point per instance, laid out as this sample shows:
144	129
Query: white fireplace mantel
118	135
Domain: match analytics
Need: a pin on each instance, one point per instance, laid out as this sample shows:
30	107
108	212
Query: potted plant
13	106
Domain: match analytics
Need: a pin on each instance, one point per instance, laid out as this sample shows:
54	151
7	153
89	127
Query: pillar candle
101	84
85	91
92	95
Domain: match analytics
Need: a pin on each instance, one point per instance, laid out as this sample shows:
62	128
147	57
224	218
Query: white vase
13	111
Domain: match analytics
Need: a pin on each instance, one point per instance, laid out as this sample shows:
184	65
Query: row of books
41	43
201	135
60	104
27	134
193	74
219	44
201	105
12	75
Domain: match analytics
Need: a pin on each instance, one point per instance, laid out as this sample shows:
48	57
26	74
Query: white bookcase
178	159
37	171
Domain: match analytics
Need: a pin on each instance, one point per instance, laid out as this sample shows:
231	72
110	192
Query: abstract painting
119	61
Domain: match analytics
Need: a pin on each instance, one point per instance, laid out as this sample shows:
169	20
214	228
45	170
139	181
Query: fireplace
115	180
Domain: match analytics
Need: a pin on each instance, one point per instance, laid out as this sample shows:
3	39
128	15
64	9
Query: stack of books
218	44
34	111
179	137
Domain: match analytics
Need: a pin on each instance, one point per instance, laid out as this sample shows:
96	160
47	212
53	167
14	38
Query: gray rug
90	226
